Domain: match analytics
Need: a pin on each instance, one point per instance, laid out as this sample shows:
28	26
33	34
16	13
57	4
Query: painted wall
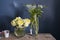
9	9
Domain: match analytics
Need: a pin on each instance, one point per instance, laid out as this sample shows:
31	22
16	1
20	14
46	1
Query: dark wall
49	21
57	19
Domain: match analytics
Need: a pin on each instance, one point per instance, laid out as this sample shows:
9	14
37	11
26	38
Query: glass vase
35	26
19	32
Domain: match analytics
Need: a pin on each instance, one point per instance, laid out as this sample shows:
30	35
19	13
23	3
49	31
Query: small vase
19	32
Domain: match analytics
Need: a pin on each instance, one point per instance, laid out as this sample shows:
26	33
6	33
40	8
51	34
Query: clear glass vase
35	26
19	32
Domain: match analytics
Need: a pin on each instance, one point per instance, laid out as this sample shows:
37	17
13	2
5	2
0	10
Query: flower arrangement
35	12
20	24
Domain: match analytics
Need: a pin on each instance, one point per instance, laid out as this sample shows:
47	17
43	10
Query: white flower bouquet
20	25
35	12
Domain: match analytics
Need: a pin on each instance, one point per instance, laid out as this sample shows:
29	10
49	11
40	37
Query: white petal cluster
20	23
29	6
41	6
26	22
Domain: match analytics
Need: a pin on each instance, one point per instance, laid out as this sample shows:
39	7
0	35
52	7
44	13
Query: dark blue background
49	22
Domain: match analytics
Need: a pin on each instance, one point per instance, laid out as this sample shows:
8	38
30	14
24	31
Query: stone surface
42	36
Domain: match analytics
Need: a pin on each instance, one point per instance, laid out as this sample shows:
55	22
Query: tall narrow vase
34	25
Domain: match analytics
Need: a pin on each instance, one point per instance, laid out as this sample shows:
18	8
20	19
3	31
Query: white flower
33	6
40	6
29	6
26	22
13	23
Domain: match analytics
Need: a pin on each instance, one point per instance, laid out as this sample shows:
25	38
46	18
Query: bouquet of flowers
20	24
35	12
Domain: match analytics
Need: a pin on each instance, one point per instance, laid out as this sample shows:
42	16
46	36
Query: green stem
36	24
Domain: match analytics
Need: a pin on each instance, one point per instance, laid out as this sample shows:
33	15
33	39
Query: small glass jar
19	32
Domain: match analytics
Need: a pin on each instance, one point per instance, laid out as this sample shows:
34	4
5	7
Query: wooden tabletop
42	36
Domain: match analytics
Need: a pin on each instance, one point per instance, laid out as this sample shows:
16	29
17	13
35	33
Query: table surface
41	36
